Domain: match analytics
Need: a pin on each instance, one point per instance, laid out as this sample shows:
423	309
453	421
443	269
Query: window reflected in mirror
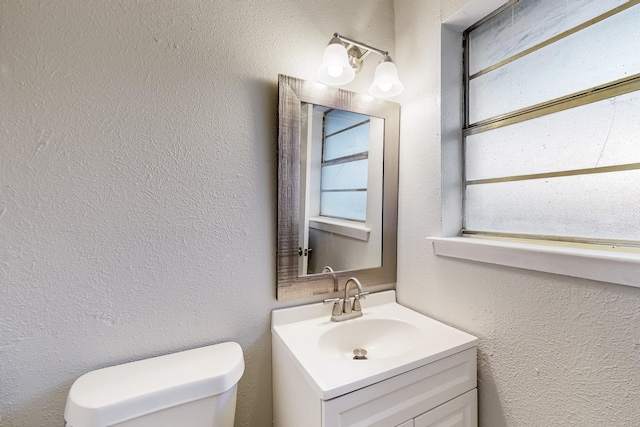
340	190
345	161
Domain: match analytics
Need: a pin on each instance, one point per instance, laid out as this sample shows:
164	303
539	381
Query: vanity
410	370
417	373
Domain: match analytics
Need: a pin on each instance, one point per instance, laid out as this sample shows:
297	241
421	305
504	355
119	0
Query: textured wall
554	351
137	182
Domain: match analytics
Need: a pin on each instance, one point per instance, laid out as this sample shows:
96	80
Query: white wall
138	182
554	351
137	208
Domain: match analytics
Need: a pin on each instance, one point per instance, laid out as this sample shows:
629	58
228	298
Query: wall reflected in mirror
341	190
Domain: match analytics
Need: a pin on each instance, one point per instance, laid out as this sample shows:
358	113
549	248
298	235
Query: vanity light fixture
343	58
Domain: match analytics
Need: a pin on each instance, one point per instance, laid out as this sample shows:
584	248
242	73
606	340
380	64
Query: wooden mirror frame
292	93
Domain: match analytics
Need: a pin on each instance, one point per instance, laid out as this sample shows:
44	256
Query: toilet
195	388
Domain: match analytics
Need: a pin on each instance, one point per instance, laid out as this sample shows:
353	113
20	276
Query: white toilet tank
195	388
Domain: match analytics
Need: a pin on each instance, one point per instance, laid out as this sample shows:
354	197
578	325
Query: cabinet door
459	412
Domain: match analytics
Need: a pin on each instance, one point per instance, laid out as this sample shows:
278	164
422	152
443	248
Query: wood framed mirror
337	189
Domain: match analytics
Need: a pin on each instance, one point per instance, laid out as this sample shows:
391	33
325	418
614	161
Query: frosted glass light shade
335	69
385	81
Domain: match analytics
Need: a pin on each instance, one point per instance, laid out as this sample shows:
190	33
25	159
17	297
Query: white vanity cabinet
409	396
430	384
442	393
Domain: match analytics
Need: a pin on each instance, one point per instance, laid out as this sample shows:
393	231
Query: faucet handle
362	295
337	309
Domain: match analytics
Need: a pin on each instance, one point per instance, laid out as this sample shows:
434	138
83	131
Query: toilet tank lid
111	395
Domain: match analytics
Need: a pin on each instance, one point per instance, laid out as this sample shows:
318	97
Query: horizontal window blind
552	122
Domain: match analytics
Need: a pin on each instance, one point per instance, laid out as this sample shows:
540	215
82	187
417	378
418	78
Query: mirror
337	189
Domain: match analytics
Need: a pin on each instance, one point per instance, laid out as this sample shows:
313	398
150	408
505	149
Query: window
552	122
344	175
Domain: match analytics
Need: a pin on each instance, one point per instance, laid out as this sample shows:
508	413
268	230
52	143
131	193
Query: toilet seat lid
119	393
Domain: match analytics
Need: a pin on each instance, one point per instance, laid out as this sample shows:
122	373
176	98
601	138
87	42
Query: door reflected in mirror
341	190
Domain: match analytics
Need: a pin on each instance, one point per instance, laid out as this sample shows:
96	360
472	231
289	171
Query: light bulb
385	81
335	70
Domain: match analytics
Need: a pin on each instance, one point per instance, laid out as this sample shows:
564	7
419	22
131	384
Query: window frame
605	263
584	97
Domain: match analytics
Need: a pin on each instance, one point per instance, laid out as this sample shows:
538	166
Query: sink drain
359	354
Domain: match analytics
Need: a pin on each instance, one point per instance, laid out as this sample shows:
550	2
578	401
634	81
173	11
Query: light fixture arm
362	45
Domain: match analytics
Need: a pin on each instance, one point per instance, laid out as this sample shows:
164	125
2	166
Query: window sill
353	229
602	263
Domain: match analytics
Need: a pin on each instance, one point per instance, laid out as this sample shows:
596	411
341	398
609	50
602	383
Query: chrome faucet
348	309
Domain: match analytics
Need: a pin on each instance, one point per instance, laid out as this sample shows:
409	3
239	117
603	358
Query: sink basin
395	338
381	338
